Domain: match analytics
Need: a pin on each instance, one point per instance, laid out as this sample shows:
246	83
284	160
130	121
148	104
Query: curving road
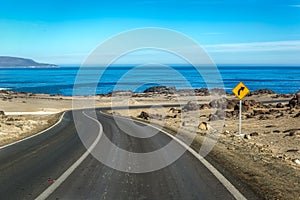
31	168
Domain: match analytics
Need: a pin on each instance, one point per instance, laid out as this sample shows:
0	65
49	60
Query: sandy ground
266	156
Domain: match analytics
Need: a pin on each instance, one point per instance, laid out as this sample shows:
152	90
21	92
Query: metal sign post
240	118
240	91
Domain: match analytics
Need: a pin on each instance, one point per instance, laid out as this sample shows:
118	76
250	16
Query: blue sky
232	31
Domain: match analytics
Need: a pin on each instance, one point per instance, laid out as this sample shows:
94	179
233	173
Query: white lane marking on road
233	190
69	171
16	142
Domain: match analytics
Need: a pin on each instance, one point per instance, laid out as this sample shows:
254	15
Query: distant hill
7	61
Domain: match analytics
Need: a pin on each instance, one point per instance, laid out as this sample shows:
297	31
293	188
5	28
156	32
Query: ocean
280	79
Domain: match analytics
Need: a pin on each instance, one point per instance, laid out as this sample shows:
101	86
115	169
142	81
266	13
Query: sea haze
281	79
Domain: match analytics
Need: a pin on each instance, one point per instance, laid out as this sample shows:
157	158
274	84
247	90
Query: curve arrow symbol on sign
241	89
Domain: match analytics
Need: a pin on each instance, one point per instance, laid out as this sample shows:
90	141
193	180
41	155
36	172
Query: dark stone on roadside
2	112
144	115
248	137
191	106
254	134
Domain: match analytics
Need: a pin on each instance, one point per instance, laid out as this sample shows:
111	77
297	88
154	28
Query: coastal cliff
15	62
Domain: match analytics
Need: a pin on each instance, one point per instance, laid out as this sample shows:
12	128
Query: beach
266	156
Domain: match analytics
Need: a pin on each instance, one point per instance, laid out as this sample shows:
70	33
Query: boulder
217	91
254	134
161	90
191	106
295	101
144	115
297	115
202	92
244	108
232	103
218	103
247	136
279	105
204	106
262	91
218	115
203	126
2	112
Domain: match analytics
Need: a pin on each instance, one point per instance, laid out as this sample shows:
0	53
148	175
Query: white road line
69	171
16	142
233	190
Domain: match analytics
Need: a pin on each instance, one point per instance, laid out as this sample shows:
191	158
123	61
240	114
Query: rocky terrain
265	157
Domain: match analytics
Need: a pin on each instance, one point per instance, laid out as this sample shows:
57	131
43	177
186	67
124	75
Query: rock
218	115
276	131
2	112
161	90
229	114
120	93
253	134
190	106
202	92
279	105
246	103
297	161
231	104
144	115
263	117
292	103
204	106
175	110
212	117
292	150
297	115
244	108
230	148
262	91
217	91
295	101
259	112
218	103
203	126
248	137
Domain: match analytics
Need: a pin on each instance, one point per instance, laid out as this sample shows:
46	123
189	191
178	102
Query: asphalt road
28	168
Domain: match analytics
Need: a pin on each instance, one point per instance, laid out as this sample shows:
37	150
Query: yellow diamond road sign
240	90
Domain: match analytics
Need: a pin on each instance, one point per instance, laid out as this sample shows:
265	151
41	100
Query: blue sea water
281	79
